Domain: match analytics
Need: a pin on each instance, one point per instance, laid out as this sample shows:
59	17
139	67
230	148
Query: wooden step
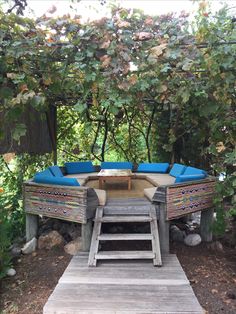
125	255
107	219
124	236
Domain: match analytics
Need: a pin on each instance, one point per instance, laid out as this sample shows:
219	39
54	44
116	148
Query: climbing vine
131	87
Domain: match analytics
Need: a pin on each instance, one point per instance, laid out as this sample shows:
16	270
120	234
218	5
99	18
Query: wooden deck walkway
123	287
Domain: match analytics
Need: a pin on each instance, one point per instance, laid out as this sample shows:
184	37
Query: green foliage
5	241
130	87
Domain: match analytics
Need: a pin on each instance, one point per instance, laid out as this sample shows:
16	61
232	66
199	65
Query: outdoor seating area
72	192
158	173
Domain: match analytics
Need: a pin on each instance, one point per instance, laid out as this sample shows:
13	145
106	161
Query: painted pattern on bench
190	198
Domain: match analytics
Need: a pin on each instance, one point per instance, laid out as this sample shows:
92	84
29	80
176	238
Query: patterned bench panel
68	203
186	198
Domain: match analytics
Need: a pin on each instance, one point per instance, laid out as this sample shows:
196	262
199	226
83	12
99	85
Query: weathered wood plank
206	223
124	236
164	229
31	225
121	274
117	287
155	240
124	255
95	242
109	219
86	234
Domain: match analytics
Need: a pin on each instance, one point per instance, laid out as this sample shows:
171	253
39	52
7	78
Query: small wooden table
114	175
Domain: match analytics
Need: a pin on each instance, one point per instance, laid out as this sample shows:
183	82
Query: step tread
125	236
125	255
124	219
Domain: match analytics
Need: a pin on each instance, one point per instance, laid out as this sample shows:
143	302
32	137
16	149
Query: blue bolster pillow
56	180
79	167
192	171
44	173
185	178
177	170
153	167
56	171
116	165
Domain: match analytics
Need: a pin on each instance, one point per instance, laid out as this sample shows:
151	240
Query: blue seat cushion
44	173
192	171
116	165
177	170
153	167
185	178
56	171
79	167
56	180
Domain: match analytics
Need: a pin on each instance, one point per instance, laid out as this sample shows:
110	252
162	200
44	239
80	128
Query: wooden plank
123	287
124	255
125	236
127	201
86	234
164	230
109	219
206	223
125	281
161	304
70	291
155	240
95	242
121	273
51	309
31	225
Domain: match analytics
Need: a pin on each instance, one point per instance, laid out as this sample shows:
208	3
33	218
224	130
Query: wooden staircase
123	214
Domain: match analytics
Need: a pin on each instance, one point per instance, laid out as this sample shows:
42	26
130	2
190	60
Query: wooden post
86	234
164	229
31	225
206	224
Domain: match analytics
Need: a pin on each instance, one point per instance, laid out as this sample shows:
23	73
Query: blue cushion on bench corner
153	167
116	165
185	178
79	167
177	170
56	180
56	171
44	173
192	171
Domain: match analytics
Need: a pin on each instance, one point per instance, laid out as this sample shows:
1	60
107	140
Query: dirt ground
212	276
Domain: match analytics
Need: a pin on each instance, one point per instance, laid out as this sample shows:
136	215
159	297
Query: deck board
123	287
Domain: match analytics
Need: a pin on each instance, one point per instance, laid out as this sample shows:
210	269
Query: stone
216	246
48	241
176	234
192	239
65	227
74	246
57	224
15	251
29	247
74	231
11	272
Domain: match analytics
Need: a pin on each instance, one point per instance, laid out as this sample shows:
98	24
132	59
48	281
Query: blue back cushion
44	173
185	178
56	171
79	167
116	165
153	167
177	170
192	171
56	180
